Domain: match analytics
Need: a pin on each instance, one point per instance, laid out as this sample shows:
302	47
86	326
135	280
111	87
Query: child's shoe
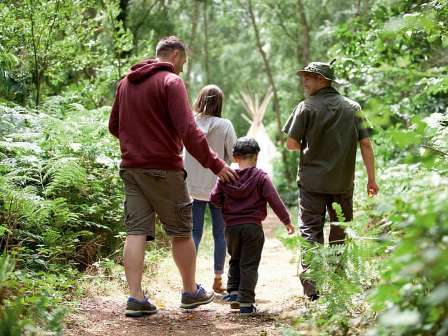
232	298
201	297
247	309
136	308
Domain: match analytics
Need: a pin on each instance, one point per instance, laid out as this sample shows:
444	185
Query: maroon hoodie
152	118
244	201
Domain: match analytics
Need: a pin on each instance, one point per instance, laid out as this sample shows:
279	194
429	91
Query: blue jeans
218	231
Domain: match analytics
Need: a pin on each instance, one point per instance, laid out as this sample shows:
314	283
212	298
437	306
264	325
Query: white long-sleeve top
221	138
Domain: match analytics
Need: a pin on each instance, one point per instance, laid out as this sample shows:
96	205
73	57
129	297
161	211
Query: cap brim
301	72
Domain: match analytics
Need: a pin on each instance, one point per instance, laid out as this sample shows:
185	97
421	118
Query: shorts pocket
184	214
155	173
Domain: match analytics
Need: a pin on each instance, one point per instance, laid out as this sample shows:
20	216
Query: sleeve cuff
217	166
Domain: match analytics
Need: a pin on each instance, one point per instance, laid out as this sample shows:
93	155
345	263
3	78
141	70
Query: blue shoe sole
139	313
196	304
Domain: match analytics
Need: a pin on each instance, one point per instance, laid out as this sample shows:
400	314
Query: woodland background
61	197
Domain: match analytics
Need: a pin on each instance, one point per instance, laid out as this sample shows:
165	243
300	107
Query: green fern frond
339	213
64	174
61	214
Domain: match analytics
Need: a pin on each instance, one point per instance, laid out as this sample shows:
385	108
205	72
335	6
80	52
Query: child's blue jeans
217	229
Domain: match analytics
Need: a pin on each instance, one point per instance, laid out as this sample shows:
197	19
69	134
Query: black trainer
248	309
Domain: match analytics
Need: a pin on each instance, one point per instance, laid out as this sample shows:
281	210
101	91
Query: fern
61	213
65	173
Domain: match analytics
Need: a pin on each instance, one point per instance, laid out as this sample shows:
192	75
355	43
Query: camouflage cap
320	68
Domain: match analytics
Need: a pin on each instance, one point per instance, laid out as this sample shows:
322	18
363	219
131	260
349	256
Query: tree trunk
206	62
276	103
358	8
123	12
36	70
194	27
306	33
135	27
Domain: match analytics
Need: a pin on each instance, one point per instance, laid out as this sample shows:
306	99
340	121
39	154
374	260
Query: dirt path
277	291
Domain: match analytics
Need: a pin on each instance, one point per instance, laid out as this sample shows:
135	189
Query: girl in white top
221	138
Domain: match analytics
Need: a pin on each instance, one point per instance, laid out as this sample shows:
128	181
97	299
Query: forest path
277	293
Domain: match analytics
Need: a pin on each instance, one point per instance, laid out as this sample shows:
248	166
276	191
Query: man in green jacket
326	128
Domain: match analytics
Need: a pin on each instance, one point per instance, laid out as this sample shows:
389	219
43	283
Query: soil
278	298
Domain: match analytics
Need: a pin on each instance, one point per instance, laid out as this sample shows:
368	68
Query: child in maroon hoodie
243	206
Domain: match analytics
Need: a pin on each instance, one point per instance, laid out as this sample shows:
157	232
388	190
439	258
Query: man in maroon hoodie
243	204
152	119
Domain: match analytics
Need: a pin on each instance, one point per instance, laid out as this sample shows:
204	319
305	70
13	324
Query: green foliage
343	274
60	194
394	264
25	312
61	191
43	52
60	204
411	295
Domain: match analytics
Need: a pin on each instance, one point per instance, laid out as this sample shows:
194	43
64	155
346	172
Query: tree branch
138	26
277	10
306	33
276	102
50	31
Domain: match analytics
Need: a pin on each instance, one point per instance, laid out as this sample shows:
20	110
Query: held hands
372	188
227	174
290	228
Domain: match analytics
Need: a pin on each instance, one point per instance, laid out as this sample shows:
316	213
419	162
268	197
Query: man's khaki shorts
153	191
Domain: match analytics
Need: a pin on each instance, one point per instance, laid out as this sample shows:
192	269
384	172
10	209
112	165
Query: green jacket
328	127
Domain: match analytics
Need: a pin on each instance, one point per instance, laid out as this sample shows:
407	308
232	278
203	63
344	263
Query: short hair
246	147
209	101
168	44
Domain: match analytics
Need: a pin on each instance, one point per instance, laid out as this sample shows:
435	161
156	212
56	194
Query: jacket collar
325	90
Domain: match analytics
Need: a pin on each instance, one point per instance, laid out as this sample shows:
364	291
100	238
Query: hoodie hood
147	68
246	184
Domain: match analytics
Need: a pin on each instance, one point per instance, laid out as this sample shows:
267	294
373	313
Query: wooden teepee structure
256	111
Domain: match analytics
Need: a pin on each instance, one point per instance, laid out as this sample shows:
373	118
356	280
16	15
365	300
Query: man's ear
176	54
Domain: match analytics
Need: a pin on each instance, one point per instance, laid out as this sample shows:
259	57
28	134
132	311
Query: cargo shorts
151	192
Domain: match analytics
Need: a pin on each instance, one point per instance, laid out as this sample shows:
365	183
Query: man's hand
372	188
227	174
292	144
290	228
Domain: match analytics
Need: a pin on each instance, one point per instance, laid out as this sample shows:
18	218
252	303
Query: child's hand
290	228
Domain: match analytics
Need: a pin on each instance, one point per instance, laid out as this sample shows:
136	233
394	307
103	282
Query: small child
243	204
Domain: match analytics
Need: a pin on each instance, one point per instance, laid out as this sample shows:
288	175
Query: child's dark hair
246	147
209	101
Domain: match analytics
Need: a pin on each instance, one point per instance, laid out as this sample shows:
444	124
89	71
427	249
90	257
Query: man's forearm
369	160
